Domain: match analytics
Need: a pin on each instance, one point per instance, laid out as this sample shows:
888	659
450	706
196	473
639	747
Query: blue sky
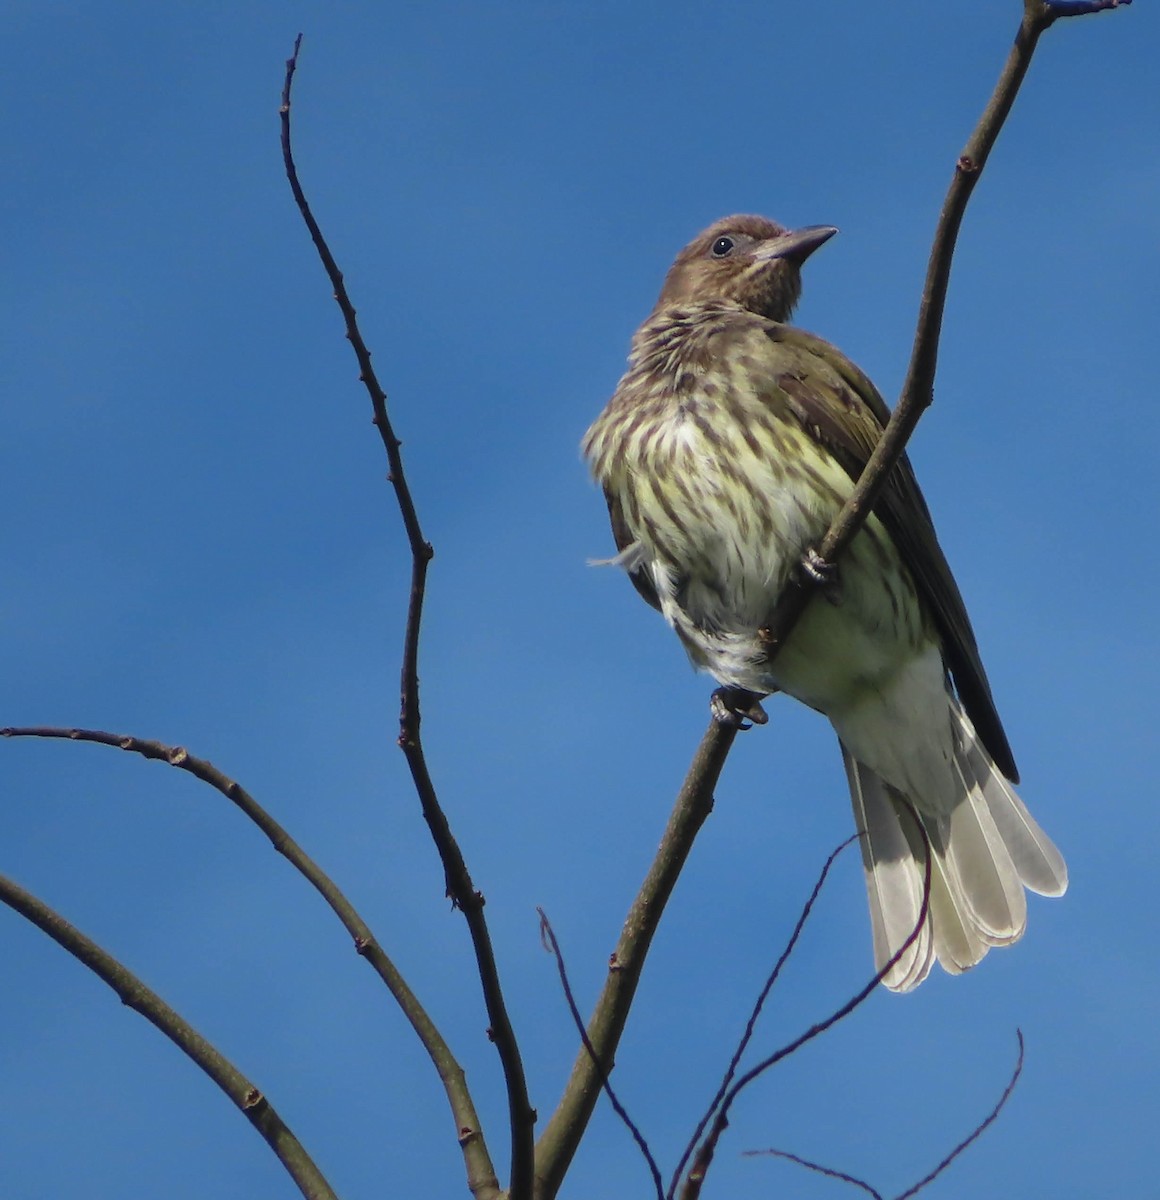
200	547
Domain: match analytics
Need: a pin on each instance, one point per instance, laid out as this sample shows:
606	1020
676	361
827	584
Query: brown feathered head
748	260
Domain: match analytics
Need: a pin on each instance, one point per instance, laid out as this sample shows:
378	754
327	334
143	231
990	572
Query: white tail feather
985	851
991	889
957	945
893	883
1039	864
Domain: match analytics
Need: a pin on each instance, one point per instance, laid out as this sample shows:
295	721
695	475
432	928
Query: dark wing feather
838	404
622	535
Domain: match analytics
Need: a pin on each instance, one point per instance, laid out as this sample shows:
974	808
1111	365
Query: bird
729	445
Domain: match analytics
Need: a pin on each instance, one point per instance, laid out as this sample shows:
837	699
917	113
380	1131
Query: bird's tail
986	850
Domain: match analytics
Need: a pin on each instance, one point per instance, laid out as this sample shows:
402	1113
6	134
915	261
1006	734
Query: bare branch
829	1172
918	388
253	1104
751	1024
942	1166
460	887
976	1132
562	1136
548	937
704	1158
481	1173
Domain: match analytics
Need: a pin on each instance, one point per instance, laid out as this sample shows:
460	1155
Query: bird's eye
722	247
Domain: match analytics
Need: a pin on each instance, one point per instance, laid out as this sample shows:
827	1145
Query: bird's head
750	261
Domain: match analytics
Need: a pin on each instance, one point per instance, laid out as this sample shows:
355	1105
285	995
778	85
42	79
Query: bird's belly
721	545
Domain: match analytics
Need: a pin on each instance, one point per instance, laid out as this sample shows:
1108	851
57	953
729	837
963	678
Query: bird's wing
621	534
837	404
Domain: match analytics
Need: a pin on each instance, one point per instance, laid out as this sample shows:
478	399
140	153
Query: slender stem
562	1136
918	388
1080	8
460	887
253	1104
979	1129
930	1176
913	1191
481	1174
818	1168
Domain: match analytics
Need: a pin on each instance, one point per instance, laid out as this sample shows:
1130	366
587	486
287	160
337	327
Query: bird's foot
737	707
822	574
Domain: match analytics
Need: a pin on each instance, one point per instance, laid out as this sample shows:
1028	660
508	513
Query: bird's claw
816	567
737	707
822	574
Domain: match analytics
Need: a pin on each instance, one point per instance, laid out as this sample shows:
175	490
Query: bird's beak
796	245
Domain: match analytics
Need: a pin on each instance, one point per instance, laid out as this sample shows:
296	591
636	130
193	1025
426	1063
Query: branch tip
927	1179
1081	8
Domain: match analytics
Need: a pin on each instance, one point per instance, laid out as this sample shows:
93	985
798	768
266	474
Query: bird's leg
736	706
823	575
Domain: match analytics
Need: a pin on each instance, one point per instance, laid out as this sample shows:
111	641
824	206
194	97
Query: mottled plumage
729	446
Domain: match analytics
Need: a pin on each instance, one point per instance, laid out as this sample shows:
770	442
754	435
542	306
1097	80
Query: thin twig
460	887
829	1172
918	389
926	1179
253	1104
978	1130
751	1024
548	937
704	1157
562	1136
481	1173
1081	8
